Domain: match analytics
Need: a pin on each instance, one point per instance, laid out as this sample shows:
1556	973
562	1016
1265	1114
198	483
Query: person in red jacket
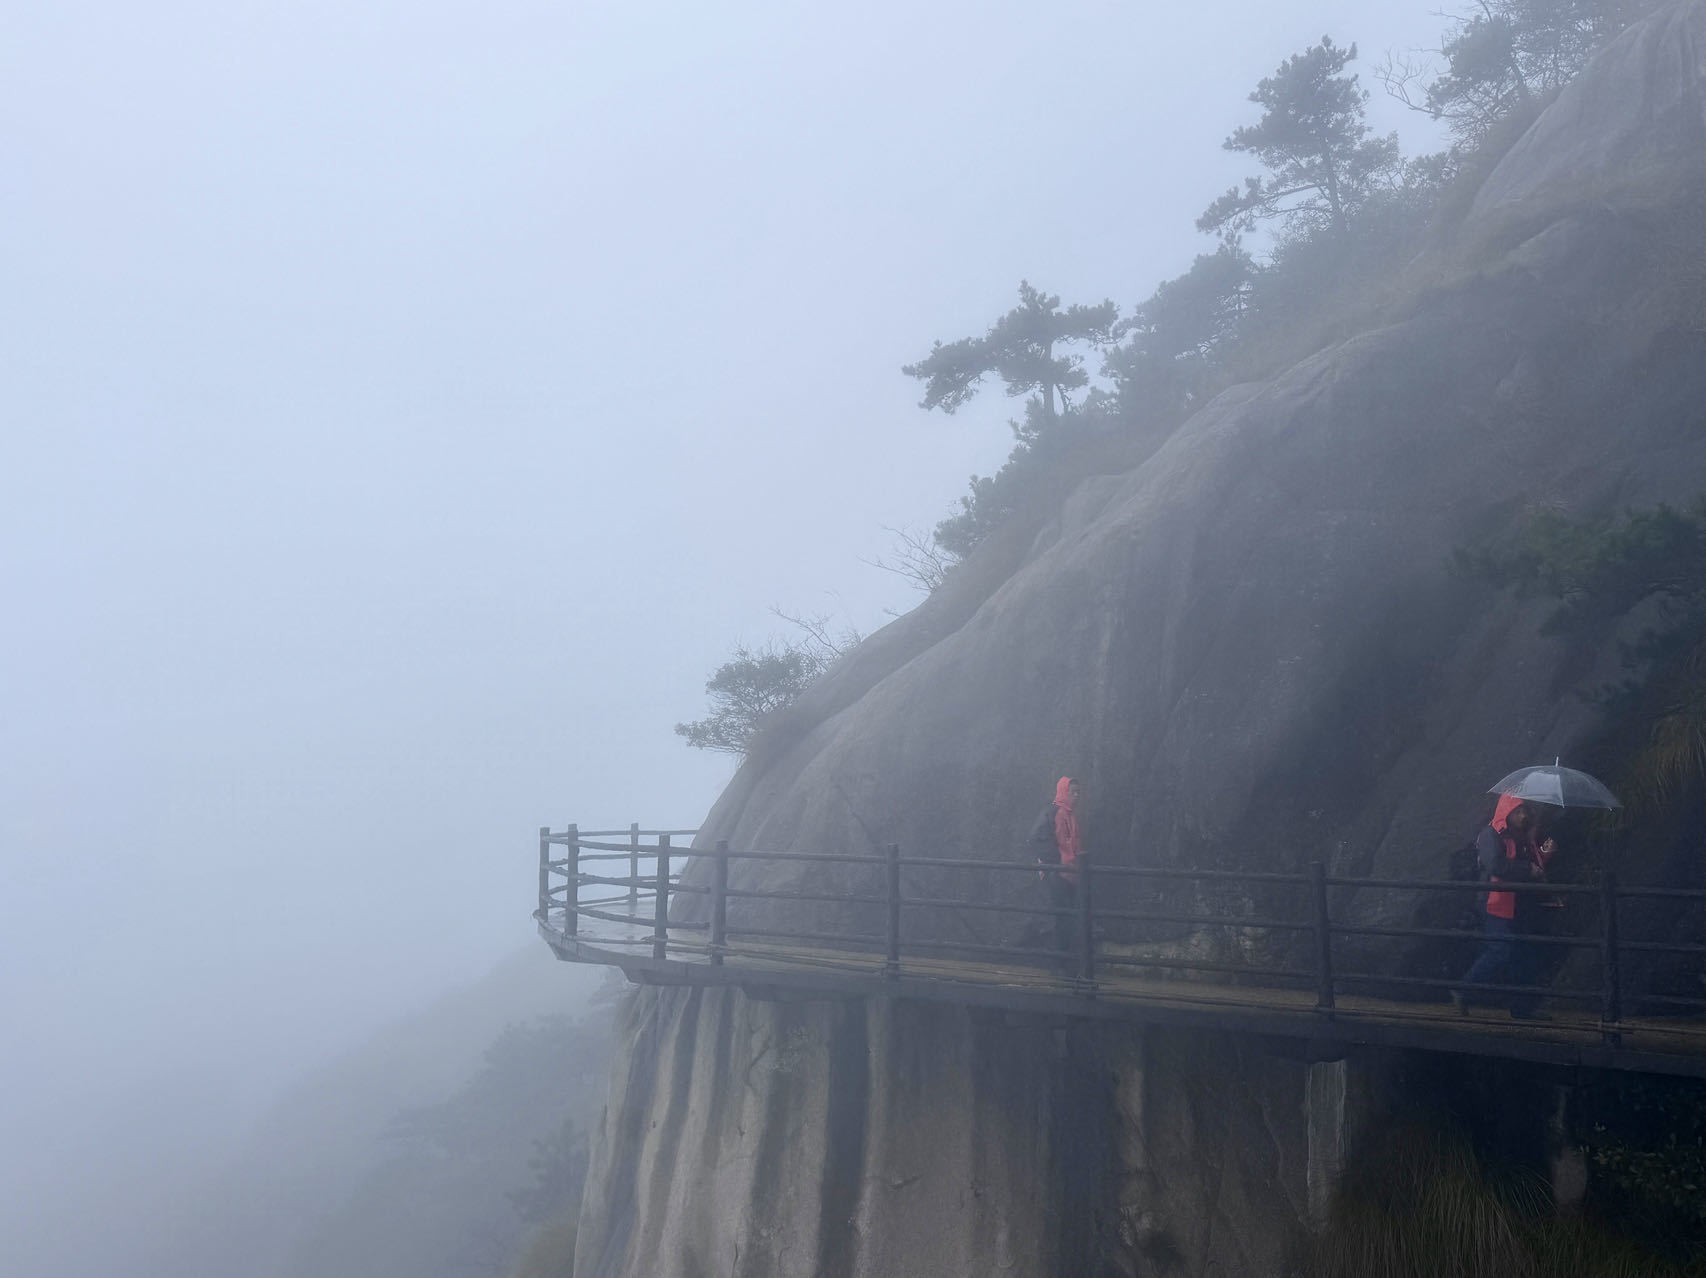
1057	842
1509	850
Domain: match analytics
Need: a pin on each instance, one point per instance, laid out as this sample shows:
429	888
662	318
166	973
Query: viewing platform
1304	968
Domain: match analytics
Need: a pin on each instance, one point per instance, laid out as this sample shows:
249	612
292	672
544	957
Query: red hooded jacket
1066	836
1512	847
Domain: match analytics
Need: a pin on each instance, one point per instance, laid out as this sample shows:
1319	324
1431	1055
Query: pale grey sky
406	405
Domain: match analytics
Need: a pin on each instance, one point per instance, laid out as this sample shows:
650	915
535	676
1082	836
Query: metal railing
1303	941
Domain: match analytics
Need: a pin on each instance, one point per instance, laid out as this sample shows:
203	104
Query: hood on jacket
1508	803
1063	793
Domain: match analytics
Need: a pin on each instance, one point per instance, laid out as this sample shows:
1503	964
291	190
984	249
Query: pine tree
1021	348
1505	56
1314	141
750	685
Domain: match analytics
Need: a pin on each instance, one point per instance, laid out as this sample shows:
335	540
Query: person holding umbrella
1510	849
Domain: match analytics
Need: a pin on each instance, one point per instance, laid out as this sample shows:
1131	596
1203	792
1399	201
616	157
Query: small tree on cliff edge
754	682
1020	349
1506	55
745	688
1313	139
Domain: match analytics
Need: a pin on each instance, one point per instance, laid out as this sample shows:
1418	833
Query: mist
407	406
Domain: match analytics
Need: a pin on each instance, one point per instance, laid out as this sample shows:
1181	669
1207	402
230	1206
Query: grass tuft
1423	1206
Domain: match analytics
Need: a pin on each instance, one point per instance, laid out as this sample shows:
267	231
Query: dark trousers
1503	960
1064	896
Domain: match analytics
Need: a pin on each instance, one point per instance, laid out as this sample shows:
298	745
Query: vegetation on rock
1020	349
1646	565
751	684
1343	206
1645	1138
1423	1205
1507	55
1346	209
1313	139
757	681
1345	212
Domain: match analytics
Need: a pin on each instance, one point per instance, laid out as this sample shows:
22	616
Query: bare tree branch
1403	75
827	643
917	557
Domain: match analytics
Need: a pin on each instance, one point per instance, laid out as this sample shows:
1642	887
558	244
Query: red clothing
1066	836
1517	846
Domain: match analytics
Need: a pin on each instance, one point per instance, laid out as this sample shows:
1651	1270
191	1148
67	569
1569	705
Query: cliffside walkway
1312	957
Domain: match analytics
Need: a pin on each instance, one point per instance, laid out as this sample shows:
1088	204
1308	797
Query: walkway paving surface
1573	1034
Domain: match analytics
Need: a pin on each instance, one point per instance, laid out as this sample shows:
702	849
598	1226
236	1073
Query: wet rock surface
871	1138
1643	104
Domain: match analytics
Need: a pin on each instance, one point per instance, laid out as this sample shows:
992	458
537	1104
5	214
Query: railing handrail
560	881
1641	891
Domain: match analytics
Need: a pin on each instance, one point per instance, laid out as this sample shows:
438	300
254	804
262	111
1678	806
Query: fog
406	406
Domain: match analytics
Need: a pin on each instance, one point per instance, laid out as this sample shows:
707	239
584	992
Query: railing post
545	875
660	920
1610	958
572	881
1086	924
1323	938
891	964
719	901
634	868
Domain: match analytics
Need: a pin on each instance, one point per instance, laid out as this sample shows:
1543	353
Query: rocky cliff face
1251	650
896	1139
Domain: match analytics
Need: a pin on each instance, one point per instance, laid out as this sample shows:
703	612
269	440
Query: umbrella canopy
1562	787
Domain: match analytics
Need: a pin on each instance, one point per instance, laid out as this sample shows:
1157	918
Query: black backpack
1464	863
1456	910
1042	841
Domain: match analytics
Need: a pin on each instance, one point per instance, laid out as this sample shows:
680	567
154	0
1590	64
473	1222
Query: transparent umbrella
1560	786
